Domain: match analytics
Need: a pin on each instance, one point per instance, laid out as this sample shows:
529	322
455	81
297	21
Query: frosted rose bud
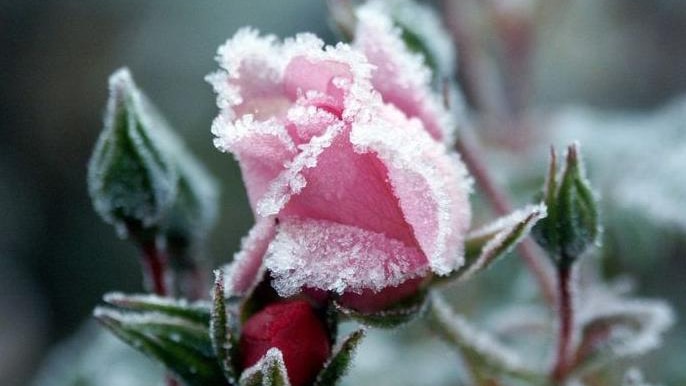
296	331
353	194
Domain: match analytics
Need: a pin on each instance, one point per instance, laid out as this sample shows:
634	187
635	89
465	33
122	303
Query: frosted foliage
432	188
272	360
637	324
402	77
340	258
639	157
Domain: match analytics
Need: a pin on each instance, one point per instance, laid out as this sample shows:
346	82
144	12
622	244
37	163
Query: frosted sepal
487	244
269	371
572	224
340	361
223	331
181	343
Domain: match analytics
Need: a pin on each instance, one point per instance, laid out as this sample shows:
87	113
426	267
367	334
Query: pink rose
343	153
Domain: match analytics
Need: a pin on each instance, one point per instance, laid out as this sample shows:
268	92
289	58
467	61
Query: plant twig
154	262
565	275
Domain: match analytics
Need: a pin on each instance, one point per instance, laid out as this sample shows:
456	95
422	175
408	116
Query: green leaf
269	371
398	314
182	345
340	361
486	245
222	336
481	351
572	225
198	311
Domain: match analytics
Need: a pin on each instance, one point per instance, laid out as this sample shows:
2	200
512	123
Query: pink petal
340	258
261	148
351	189
251	82
431	184
401	76
246	269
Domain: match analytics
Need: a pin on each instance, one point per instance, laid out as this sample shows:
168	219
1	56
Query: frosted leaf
269	371
614	327
197	311
403	77
247	268
340	258
340	361
478	347
431	185
222	336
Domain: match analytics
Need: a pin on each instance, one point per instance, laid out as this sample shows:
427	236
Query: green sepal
339	363
483	354
223	333
269	371
181	344
572	225
402	312
486	245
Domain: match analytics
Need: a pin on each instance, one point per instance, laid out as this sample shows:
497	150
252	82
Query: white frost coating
376	33
272	358
467	336
638	323
229	134
291	180
340	258
417	157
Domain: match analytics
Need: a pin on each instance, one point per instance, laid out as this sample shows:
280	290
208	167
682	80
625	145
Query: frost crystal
340	258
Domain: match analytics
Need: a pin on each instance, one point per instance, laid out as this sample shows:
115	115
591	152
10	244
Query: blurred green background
57	257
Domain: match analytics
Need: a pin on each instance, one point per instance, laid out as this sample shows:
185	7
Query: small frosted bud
572	224
129	179
296	331
141	176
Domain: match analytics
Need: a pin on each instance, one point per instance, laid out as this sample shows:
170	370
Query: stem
469	150
566	317
154	262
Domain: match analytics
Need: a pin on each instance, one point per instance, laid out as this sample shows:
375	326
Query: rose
294	329
341	150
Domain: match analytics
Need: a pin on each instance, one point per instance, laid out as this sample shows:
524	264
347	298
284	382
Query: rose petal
431	184
261	148
350	188
246	269
335	257
401	76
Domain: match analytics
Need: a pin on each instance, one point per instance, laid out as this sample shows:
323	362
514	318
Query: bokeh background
620	62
